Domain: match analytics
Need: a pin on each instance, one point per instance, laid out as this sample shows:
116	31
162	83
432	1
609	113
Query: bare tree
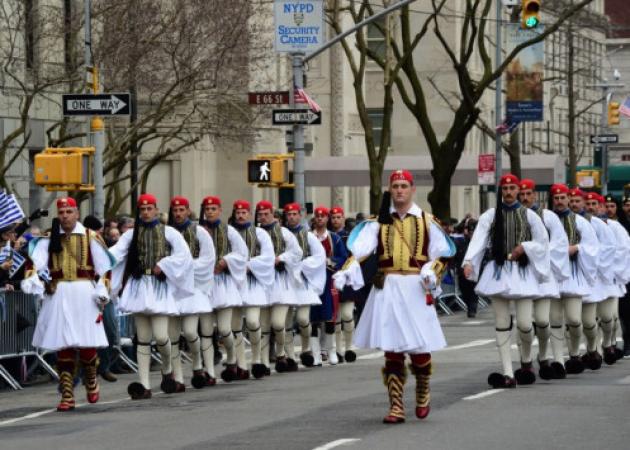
32	69
473	46
188	63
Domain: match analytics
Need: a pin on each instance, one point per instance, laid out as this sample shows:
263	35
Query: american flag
301	96
507	127
10	211
625	108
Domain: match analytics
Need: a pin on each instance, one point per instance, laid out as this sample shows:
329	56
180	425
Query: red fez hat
241	204
178	200
601	199
211	200
576	192
66	202
264	204
292	207
591	196
401	175
559	188
508	178
527	183
147	199
337	210
322	211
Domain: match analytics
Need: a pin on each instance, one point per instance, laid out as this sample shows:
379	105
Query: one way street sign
296	117
96	104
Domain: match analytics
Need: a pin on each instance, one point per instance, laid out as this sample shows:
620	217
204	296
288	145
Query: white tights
503	323
344	328
148	328
189	325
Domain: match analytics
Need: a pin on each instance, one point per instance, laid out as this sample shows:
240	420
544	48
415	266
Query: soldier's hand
468	271
220	266
573	249
278	260
517	252
157	270
8	287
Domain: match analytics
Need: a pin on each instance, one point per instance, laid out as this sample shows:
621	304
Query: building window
376	115
375	38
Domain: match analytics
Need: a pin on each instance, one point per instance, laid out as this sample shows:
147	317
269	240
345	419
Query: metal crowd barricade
451	293
18	316
127	331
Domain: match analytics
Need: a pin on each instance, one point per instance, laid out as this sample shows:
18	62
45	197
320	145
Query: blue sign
299	25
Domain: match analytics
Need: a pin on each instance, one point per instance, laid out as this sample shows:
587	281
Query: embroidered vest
190	236
393	252
249	236
220	240
74	262
302	237
570	227
515	227
279	246
152	246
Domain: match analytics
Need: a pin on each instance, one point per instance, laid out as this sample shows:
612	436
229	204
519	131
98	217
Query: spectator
467	288
125	223
112	236
107	354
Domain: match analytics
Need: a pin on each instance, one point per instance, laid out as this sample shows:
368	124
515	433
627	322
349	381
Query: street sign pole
97	127
298	133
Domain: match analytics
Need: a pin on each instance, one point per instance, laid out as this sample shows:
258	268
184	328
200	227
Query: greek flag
10	211
18	260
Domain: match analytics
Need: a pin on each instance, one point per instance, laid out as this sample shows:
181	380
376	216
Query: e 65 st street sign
96	104
296	117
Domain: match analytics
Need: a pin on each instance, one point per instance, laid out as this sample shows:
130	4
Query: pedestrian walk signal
272	171
65	169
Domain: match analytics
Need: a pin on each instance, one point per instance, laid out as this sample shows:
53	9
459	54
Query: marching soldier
230	273
154	268
202	250
324	314
344	326
599	302
410	244
520	262
311	277
560	271
255	293
288	255
69	268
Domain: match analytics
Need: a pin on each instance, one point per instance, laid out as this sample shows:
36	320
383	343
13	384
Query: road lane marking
337	443
28	416
477	343
374	355
483	394
624	380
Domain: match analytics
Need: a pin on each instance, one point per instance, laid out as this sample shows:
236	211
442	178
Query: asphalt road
339	407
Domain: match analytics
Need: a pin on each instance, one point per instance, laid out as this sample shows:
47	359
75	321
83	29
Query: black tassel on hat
384	216
54	247
498	233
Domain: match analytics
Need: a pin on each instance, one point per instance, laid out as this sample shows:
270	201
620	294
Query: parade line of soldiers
566	265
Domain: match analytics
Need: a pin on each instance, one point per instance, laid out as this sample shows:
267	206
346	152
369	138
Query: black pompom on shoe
499	381
546	372
559	372
198	379
574	365
168	384
258	370
525	375
138	392
307	359
351	356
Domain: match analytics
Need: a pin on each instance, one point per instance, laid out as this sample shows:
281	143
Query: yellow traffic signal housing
269	170
530	14
65	169
613	113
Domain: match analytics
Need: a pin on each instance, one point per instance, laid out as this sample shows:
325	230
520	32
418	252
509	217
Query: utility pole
498	98
97	127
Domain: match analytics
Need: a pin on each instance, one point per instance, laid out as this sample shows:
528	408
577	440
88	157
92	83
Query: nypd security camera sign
299	25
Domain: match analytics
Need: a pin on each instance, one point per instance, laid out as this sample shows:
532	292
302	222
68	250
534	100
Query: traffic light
269	170
65	169
613	113
530	14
